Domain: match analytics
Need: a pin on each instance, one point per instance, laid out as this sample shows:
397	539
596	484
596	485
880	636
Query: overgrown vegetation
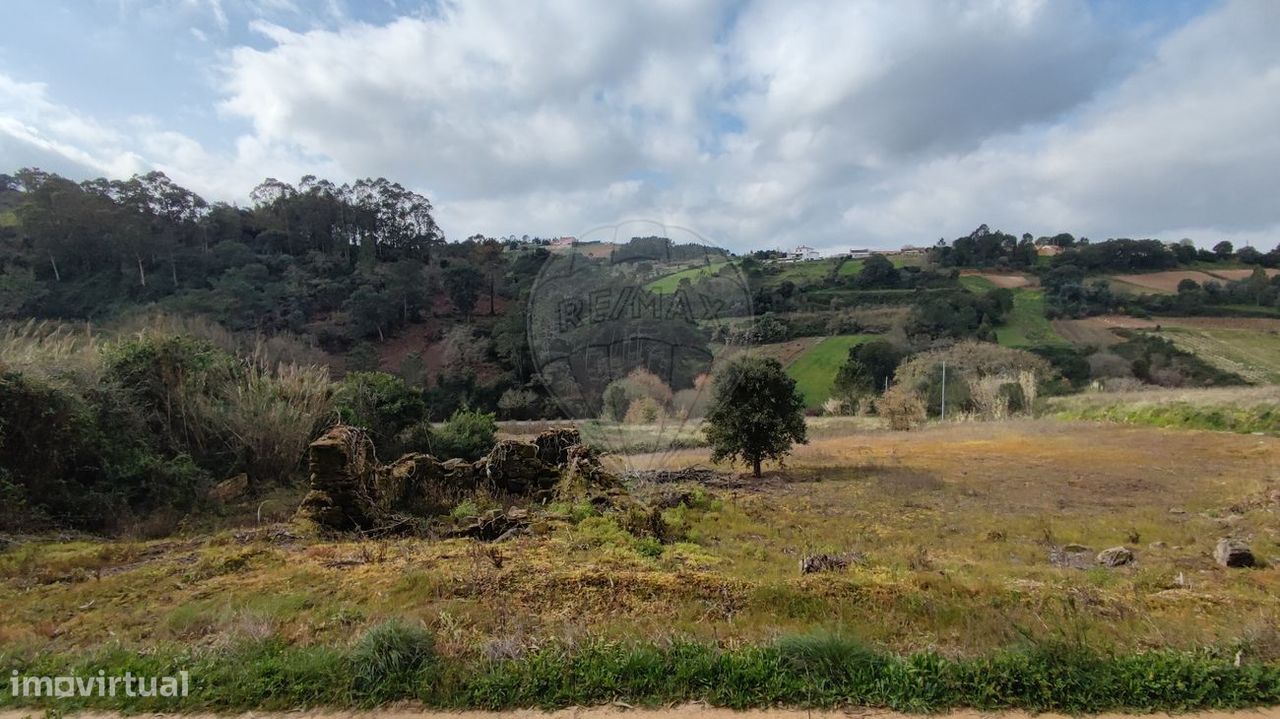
1244	411
95	435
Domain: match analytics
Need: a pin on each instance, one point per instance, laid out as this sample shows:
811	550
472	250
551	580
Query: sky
755	124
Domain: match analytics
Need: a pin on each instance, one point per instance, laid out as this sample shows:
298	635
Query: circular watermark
628	324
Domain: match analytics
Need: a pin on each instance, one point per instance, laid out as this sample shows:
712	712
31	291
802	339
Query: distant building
563	241
805	253
1048	250
859	254
913	250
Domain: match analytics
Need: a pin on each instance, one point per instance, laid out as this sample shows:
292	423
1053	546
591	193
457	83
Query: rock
554	444
1233	553
829	562
514	467
1073	556
1158	545
229	490
1115	557
494	525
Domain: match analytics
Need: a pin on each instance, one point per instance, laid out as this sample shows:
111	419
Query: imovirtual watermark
101	685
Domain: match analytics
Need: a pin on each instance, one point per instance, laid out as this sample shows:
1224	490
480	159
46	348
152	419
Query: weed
391	661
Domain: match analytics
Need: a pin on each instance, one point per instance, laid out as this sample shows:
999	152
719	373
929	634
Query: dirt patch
784	352
1165	281
1006	281
1114	322
1242	274
1086	332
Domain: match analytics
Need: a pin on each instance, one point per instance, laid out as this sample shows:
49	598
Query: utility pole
944	390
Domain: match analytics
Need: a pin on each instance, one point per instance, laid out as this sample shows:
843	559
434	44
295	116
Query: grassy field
976	283
1250	354
815	370
1245	409
954	526
1026	325
669	283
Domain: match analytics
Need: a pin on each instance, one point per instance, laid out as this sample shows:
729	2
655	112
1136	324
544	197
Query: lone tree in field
756	413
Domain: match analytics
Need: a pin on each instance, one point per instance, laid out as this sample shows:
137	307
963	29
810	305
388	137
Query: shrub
267	418
615	401
867	370
381	403
902	407
394	659
642	410
170	378
84	461
1105	365
468	435
973	360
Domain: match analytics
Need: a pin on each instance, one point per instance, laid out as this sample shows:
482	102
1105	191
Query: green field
8	219
670	282
976	283
1245	410
1026	325
815	370
1251	354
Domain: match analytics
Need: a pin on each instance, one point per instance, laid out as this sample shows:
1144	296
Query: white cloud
760	124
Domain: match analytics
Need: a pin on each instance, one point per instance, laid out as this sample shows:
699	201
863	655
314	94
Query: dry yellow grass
955	522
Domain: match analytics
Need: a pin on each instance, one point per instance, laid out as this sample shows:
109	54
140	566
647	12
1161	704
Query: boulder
494	525
229	490
1074	556
1115	557
1233	553
816	563
554	445
515	467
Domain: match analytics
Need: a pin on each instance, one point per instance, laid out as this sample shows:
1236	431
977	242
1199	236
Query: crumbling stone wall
349	491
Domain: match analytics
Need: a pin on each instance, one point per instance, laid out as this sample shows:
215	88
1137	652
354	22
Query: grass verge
1244	411
397	662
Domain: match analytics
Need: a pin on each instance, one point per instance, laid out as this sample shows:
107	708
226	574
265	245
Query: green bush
468	435
84	461
392	660
380	403
168	378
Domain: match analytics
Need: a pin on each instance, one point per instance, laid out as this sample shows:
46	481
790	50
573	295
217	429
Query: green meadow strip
397	662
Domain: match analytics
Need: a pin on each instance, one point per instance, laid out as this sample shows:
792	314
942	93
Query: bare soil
1112	322
1165	281
1007	281
1242	274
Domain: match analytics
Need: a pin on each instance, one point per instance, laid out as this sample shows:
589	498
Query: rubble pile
350	491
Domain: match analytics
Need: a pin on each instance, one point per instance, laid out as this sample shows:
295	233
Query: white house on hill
804	252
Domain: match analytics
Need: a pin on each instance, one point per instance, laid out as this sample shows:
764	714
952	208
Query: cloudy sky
754	123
